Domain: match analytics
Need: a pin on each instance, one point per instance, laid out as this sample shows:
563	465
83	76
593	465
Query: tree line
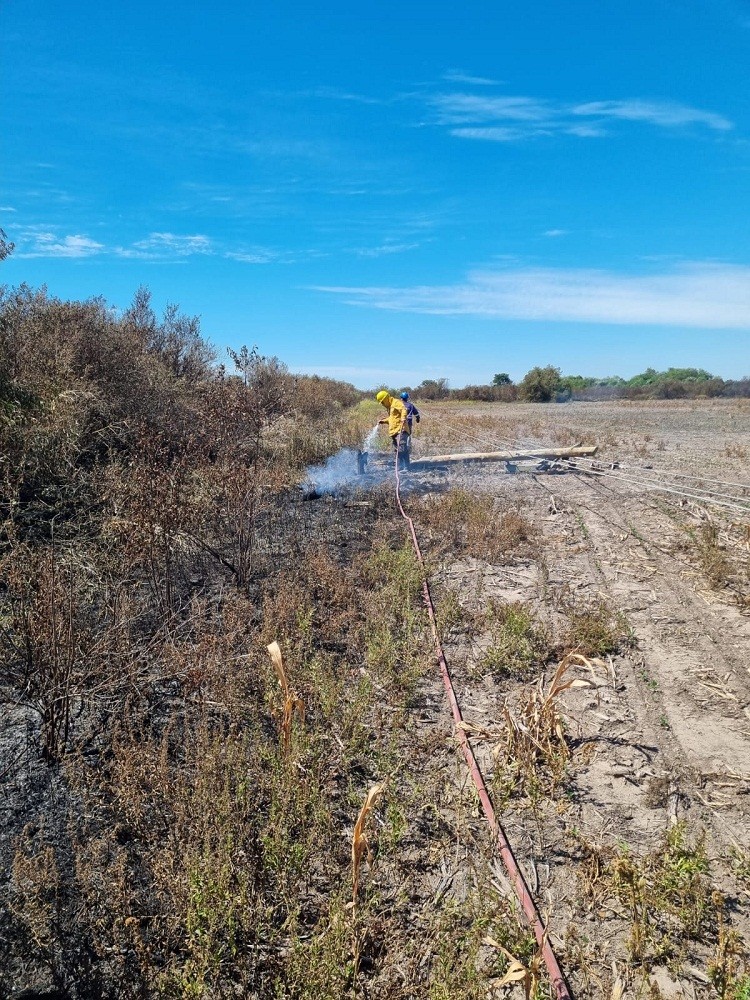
545	384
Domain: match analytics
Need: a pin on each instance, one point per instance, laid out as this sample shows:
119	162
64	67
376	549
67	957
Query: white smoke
341	470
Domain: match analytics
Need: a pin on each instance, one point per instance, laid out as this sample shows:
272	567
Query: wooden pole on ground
505	456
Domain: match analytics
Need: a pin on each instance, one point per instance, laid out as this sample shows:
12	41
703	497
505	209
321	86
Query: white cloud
456	76
385	249
46	244
704	295
168	245
663	113
7	208
508	119
555	232
257	255
586	131
461	109
495	133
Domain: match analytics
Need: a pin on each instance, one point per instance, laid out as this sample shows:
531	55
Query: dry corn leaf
292	704
360	843
516	973
275	652
618	989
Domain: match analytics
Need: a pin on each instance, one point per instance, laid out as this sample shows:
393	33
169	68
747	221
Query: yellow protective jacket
397	414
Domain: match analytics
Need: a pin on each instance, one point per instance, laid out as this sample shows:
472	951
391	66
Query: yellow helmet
382	395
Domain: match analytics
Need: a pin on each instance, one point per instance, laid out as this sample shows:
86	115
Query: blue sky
398	192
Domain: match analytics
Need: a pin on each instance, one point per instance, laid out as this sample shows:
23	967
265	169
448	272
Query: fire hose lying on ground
515	875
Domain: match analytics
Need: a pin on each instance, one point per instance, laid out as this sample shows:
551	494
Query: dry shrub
667	894
64	631
531	749
713	557
314	606
35	889
535	734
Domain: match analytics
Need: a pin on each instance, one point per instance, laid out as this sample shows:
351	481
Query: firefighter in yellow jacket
398	427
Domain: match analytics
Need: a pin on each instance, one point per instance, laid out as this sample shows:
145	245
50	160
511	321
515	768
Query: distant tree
649	377
652	377
687	375
433	389
540	384
503	378
574	382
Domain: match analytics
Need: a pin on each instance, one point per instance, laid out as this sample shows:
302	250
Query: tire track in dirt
696	687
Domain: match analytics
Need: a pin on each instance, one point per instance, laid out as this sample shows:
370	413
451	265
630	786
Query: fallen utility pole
505	456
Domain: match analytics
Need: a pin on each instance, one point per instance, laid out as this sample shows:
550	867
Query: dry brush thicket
177	806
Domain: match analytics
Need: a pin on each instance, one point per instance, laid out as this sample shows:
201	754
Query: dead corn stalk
540	717
292	704
360	843
527	976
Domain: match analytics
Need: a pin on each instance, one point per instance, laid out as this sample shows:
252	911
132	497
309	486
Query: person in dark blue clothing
412	413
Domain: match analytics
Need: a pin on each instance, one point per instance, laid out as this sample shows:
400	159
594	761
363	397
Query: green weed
519	641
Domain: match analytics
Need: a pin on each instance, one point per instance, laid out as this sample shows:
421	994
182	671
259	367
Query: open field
192	834
655	586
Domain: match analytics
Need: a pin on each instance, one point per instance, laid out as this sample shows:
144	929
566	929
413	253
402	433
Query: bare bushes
62	638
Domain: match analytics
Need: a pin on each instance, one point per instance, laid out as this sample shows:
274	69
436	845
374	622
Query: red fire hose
517	880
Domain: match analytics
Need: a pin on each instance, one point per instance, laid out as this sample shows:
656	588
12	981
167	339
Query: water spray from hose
344	469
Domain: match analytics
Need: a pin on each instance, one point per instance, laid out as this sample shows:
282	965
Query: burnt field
186	827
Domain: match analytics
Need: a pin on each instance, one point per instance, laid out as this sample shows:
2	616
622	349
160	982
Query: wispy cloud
458	76
706	295
496	133
664	113
7	208
458	109
555	232
385	249
259	255
160	245
46	244
511	118
333	93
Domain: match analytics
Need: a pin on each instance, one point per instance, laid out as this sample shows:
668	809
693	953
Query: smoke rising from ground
340	471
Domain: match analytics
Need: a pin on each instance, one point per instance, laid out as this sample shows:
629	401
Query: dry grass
592	629
713	558
466	523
